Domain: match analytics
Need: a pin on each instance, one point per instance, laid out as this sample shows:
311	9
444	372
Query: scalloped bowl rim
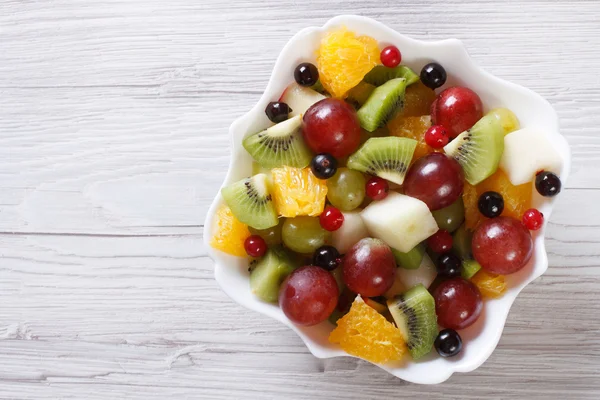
532	110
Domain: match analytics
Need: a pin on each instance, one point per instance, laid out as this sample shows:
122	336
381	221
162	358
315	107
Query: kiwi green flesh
469	268
412	259
359	94
385	157
382	105
381	74
449	218
461	242
414	314
479	149
251	202
281	144
269	273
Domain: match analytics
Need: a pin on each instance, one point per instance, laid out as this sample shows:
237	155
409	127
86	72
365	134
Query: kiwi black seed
382	105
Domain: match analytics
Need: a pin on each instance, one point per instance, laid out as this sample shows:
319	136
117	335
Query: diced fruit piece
343	59
323	166
390	56
533	219
380	308
400	221
491	286
297	191
326	257
332	126
547	184
300	98
517	199
412	128
269	273
383	105
448	343
490	204
435	179
386	157
469	268
424	275
272	236
377	188
411	259
397	288
251	201
306	74
258	169
458	303
507	119
352	230
279	145
414	314
308	296
457	109
433	75
502	245
381	74
451	217
418	99
304	234
479	149
230	233
449	265
369	267
365	333
461	242
526	152
331	219
359	94
346	189
255	246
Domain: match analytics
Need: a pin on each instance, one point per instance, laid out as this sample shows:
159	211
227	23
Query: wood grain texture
113	142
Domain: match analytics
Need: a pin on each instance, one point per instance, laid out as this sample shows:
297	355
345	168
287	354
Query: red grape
435	179
457	303
502	245
457	109
369	267
309	295
331	126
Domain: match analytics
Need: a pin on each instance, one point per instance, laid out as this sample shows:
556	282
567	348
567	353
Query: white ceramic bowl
531	109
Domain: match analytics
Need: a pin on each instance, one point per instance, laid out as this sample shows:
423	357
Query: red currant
331	219
377	188
436	136
440	242
533	219
255	246
390	56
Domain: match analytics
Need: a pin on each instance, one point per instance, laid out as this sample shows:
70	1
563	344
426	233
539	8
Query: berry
255	246
377	188
448	343
547	184
533	219
323	166
436	136
448	265
433	75
306	74
390	56
491	204
326	257
331	219
458	303
277	111
456	109
440	242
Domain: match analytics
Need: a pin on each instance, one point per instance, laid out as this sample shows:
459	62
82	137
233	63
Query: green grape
449	218
412	259
507	118
346	189
272	235
461	242
304	234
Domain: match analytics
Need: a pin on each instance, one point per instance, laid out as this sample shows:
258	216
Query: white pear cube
423	275
400	221
300	98
526	152
352	230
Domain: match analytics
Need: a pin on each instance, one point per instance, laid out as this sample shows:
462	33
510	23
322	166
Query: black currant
277	111
433	75
491	204
448	343
306	74
326	257
448	265
547	184
323	165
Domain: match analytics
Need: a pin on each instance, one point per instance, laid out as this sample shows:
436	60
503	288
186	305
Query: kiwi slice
359	94
469	268
461	242
412	259
382	105
251	202
281	144
381	74
269	272
479	149
386	157
414	314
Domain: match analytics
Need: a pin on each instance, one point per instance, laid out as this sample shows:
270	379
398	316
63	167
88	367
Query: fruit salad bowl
531	109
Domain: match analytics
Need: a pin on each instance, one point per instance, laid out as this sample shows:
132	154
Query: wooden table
113	142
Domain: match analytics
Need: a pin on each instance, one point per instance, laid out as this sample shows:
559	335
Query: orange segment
413	128
230	234
491	286
517	199
417	100
296	191
365	333
343	59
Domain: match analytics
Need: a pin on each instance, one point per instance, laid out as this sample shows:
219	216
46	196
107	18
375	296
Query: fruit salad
384	203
